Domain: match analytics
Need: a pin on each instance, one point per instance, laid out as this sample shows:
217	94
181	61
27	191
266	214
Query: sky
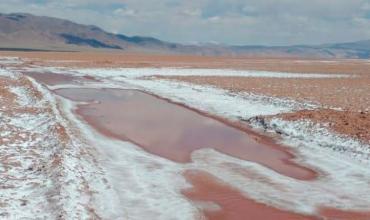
233	22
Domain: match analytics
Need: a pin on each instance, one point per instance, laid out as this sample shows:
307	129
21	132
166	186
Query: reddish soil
6	97
101	59
354	124
347	93
174	132
233	205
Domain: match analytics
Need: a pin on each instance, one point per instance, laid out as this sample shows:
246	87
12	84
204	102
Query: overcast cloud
241	22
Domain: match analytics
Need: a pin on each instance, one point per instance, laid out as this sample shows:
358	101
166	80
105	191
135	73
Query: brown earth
103	59
347	93
354	124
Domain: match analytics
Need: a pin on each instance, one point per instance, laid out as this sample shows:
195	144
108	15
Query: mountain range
21	31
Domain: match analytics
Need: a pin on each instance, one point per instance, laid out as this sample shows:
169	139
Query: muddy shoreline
157	121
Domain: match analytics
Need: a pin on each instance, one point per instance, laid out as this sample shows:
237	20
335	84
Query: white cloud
228	21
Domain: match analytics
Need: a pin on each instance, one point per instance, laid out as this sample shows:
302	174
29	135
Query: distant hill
46	33
19	31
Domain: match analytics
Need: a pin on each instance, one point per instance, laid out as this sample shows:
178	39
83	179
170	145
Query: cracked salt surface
17	156
319	135
44	168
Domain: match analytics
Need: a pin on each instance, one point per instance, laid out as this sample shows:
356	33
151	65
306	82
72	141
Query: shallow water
173	131
58	79
234	206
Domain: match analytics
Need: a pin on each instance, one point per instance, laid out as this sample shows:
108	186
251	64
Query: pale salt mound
45	170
